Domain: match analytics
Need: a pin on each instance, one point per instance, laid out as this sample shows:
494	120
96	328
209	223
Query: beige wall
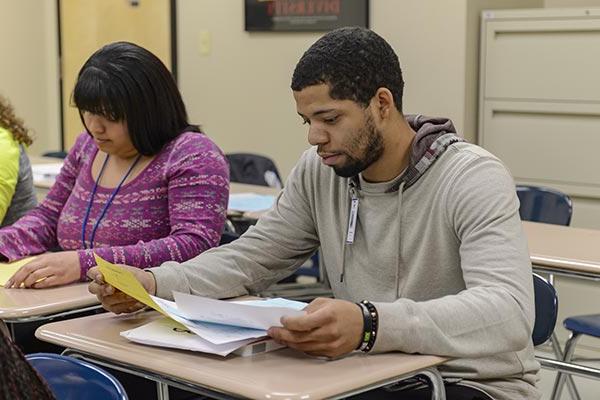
429	38
237	86
239	90
29	67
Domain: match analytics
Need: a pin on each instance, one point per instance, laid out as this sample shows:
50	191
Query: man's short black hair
125	82
354	62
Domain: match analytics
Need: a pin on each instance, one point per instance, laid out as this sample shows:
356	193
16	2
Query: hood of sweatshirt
433	136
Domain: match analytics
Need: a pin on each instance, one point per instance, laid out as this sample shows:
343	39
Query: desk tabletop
562	247
26	303
275	375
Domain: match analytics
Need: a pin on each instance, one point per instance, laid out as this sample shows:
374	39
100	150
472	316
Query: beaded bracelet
374	326
367	326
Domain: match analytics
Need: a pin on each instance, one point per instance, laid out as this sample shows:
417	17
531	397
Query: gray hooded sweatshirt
439	250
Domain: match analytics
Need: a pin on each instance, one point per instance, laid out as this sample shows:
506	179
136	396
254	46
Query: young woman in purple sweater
141	186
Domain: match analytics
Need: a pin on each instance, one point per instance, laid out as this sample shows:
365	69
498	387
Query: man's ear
383	104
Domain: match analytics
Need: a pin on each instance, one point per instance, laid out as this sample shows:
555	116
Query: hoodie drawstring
399	262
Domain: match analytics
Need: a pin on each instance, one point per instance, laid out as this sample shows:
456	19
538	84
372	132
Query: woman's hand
46	270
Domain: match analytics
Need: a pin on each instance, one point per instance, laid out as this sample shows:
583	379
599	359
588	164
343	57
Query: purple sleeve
35	232
198	187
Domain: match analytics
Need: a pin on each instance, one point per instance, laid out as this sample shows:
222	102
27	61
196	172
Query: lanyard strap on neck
108	203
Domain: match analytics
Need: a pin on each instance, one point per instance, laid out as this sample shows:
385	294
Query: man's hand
330	328
113	299
46	270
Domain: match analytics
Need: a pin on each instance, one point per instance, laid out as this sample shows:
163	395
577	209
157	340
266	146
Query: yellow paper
126	282
9	269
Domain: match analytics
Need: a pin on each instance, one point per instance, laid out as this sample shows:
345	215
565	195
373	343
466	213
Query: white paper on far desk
250	202
242	314
46	171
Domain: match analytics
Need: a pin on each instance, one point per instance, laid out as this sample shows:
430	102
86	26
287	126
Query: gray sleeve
24	198
279	243
495	313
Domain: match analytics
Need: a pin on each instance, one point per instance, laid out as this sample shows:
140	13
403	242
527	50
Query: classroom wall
29	67
236	84
223	69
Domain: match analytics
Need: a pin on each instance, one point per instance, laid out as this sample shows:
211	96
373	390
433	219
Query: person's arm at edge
9	170
35	232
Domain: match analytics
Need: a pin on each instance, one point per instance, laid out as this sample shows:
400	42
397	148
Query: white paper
276	302
46	171
214	333
198	308
219	333
165	332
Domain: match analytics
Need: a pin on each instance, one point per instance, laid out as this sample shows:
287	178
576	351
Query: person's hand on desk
113	299
330	328
46	270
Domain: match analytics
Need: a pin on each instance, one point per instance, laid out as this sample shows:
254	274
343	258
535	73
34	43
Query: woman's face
111	137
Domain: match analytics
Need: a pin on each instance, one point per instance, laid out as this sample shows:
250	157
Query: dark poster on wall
305	15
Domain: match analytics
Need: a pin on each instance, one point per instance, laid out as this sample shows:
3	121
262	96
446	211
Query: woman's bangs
96	95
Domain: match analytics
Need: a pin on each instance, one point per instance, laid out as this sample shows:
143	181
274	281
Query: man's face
343	131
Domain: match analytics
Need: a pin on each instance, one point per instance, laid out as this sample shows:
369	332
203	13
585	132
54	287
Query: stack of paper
220	327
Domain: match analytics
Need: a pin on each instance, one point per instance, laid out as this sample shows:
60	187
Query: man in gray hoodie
410	218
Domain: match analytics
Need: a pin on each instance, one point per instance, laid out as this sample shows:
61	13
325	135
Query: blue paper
250	202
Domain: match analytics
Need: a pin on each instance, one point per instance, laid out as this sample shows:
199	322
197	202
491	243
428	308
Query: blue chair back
546	310
73	379
540	204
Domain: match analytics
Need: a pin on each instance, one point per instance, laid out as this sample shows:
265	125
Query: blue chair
546	310
541	204
550	206
72	379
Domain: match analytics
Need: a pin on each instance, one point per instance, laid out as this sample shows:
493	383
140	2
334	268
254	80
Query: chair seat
584	324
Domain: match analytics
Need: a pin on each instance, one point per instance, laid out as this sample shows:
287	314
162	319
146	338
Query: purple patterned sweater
173	210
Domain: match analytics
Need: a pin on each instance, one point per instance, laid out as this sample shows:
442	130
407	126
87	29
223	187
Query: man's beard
369	138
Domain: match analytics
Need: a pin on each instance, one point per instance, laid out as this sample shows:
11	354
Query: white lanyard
352	217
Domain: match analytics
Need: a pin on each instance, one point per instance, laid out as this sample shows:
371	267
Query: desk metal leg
162	391
438	390
4	330
558	353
